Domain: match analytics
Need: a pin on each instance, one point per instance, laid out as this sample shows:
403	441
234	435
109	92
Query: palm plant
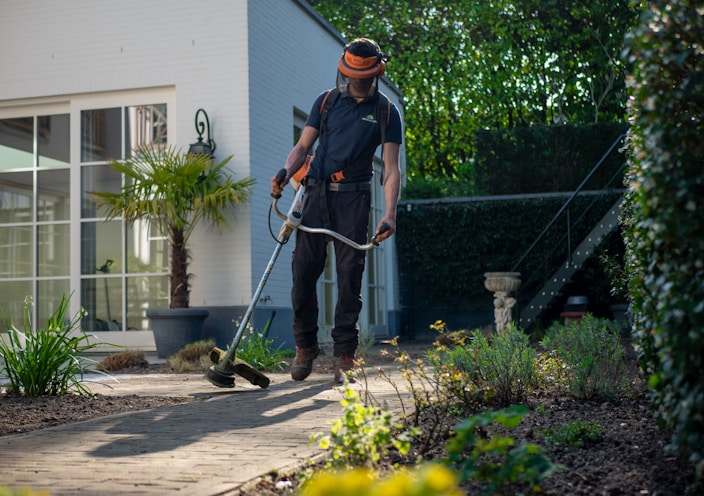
174	191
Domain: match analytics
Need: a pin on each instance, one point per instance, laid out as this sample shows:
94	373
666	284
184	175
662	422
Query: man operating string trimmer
352	120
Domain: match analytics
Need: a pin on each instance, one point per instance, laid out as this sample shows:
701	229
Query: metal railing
549	255
572	197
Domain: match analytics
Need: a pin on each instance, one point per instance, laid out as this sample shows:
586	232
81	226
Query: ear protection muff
354	66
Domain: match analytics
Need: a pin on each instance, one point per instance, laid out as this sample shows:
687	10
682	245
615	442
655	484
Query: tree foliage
467	65
665	227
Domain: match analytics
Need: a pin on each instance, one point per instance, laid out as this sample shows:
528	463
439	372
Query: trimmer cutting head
219	379
222	373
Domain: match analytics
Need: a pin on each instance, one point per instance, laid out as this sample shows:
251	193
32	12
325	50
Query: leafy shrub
495	460
501	366
663	220
123	360
430	479
576	433
592	354
506	364
363	435
550	370
46	361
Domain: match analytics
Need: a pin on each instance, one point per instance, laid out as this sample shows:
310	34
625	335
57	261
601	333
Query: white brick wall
248	63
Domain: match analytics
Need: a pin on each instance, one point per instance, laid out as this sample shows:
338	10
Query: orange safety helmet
361	59
354	66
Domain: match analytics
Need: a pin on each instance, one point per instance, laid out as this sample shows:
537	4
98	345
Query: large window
123	268
34	213
47	216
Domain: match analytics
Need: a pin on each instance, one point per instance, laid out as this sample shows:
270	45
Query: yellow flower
438	479
399	484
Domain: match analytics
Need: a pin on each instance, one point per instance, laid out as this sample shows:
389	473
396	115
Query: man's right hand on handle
278	182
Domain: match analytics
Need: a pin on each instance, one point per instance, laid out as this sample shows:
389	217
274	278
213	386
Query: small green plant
258	351
506	364
550	369
494	459
576	433
438	393
592	354
46	361
430	479
363	435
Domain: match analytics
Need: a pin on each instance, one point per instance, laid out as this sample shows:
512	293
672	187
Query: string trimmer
222	374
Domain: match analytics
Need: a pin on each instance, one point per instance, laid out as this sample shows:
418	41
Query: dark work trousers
347	213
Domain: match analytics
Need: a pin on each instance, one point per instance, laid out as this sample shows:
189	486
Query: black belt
340	187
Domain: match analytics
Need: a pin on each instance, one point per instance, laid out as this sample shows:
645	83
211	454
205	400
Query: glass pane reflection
100	134
53	247
13	295
16	252
145	125
53	189
102	299
101	247
147	249
97	178
49	294
16	197
17	143
53	140
143	293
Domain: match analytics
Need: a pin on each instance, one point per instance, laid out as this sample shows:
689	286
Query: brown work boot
303	363
343	365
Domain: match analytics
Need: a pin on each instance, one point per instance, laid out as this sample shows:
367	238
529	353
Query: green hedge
444	248
546	158
665	225
540	159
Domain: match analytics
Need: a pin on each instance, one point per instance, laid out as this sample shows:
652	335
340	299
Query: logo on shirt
369	118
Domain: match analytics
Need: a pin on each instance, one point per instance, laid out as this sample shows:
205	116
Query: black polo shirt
351	135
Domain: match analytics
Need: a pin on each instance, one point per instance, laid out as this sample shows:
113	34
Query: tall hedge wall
545	158
540	159
444	248
665	221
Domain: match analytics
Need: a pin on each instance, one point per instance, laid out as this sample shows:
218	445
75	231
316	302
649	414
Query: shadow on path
169	428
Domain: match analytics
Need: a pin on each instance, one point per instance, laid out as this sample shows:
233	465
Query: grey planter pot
174	328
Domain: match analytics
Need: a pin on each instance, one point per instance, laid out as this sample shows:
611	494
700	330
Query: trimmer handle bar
292	220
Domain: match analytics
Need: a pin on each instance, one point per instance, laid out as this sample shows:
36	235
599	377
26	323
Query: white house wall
58	50
248	63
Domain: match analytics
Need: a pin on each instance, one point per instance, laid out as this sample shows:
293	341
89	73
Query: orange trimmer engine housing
301	173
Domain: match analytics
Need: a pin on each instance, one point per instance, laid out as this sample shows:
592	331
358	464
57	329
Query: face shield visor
358	76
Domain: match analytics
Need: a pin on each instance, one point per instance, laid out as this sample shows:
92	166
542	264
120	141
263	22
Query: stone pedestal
501	284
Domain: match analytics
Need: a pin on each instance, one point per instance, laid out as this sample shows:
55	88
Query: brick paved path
203	448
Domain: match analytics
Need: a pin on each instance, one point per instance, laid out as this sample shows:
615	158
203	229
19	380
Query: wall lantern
202	147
